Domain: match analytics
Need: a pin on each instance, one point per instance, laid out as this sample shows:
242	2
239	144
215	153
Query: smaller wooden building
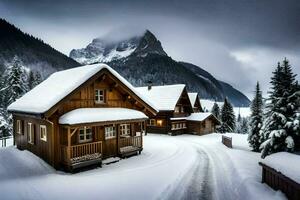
79	116
180	112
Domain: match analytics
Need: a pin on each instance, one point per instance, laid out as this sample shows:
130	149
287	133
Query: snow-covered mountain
141	59
101	50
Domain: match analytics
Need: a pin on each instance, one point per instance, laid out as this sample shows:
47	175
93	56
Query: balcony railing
76	152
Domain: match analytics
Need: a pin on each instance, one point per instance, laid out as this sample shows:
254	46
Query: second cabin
180	112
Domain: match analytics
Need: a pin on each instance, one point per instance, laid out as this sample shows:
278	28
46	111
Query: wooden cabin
202	123
171	101
79	116
195	101
177	113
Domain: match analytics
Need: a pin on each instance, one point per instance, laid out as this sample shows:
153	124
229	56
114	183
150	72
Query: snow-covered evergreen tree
256	119
15	84
227	118
279	126
216	110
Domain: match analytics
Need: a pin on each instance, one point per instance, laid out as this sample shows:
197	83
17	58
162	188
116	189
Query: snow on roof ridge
58	85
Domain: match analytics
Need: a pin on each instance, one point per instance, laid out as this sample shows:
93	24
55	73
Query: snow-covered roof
90	115
57	86
194	117
163	97
198	116
193	97
279	161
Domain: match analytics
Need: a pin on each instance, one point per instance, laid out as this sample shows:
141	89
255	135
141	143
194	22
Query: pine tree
15	81
256	120
227	118
238	124
279	131
216	110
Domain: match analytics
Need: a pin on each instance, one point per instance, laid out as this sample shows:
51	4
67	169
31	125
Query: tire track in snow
196	183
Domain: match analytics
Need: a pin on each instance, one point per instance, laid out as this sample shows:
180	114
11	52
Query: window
30	133
19	126
110	132
100	96
124	129
85	134
177	109
43	133
152	122
159	122
176	126
182	109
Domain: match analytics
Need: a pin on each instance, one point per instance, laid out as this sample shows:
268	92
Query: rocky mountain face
33	52
142	59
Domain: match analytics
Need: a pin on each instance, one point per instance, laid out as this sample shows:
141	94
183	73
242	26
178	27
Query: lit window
43	133
85	134
19	127
110	132
125	129
99	96
159	122
30	133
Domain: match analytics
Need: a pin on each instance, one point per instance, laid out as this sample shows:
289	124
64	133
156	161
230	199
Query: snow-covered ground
180	167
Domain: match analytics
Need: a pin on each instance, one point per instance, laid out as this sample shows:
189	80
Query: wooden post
69	146
118	139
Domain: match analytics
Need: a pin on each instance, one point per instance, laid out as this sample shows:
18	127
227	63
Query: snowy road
181	167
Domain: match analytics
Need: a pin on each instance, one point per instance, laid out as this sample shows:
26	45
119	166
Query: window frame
45	133
125	131
84	129
30	134
19	126
98	96
177	109
152	122
112	132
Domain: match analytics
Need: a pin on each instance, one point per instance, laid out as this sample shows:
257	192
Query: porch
86	144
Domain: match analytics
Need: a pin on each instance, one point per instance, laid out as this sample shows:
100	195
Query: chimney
149	85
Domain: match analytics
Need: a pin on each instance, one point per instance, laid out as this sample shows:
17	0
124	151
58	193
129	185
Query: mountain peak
149	44
111	48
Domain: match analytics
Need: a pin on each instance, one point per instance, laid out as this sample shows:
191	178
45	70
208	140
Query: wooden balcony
82	154
130	145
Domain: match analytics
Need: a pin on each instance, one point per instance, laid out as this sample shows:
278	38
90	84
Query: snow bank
90	115
286	163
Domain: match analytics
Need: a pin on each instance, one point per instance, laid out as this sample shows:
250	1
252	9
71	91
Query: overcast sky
238	41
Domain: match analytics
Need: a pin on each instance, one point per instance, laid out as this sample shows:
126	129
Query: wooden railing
227	141
80	150
278	181
135	141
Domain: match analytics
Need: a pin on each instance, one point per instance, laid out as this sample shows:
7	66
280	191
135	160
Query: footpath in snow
179	167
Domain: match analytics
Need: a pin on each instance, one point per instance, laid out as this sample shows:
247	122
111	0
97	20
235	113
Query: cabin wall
201	128
43	149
